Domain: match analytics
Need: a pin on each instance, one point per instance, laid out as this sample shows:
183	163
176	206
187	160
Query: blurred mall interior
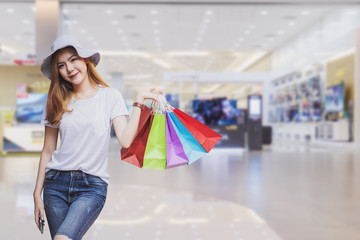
279	80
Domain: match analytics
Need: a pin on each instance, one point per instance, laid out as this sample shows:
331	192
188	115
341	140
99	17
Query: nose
69	68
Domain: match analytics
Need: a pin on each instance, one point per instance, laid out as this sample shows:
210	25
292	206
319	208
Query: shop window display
297	102
29	108
335	98
215	111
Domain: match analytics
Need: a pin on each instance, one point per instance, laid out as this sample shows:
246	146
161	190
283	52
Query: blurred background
277	79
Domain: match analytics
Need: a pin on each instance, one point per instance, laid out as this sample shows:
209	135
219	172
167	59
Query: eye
60	66
73	59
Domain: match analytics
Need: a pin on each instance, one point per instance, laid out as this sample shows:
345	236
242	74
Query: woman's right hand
38	209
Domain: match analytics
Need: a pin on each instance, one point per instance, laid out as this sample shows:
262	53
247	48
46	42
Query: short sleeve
118	106
44	121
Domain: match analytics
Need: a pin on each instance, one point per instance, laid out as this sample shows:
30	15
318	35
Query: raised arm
50	141
126	130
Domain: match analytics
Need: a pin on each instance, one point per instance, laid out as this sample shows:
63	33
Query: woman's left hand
147	94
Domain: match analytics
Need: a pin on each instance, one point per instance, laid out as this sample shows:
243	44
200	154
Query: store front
208	59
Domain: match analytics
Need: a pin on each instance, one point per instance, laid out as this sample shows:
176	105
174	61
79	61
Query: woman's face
71	67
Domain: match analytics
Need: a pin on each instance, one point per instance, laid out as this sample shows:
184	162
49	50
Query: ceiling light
10	10
251	26
65	11
291	23
119	31
109	11
155	22
281	32
83	30
25	21
209	12
115	22
202	32
247	32
157	39
153	12
17	38
162	63
305	12
33	8
89	38
207	20
236	45
241	39
7	49
156	31
264	12
199	39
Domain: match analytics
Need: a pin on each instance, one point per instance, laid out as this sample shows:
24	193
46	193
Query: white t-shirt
85	133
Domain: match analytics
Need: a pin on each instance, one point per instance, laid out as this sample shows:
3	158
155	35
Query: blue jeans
73	200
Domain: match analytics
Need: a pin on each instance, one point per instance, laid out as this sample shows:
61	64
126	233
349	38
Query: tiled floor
287	191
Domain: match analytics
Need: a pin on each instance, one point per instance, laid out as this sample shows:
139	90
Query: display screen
335	98
215	112
254	107
29	108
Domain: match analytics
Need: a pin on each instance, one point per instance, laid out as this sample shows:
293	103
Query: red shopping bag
135	153
203	134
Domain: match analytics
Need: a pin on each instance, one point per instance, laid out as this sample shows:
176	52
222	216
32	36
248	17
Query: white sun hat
67	41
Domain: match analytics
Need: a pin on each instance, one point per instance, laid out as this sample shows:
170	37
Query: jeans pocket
94	181
51	175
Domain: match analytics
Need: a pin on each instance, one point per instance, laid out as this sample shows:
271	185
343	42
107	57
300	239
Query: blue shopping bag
192	147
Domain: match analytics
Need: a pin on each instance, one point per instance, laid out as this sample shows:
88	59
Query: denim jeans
73	200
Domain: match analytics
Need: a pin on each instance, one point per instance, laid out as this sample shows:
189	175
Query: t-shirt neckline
87	99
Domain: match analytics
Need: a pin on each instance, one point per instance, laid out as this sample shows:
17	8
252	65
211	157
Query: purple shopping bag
175	153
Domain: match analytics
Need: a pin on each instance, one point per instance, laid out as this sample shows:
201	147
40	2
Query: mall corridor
287	191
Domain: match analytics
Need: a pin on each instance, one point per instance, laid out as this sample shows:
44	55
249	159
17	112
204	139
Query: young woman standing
82	108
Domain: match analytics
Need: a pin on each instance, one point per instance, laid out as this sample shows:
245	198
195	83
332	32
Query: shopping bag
175	154
202	133
135	153
192	147
155	151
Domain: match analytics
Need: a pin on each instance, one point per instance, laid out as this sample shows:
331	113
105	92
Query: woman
82	107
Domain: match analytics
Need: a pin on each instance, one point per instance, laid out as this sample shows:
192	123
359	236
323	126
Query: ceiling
144	40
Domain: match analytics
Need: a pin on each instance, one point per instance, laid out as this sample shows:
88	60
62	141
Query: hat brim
47	62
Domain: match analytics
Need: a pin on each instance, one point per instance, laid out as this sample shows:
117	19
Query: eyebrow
68	59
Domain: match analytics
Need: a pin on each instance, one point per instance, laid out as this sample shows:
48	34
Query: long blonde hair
61	91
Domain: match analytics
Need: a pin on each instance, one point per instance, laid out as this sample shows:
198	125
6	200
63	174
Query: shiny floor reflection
287	191
138	212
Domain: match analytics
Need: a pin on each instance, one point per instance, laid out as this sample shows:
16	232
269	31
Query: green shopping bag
155	151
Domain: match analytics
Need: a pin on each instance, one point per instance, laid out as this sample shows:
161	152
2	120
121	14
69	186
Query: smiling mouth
72	76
